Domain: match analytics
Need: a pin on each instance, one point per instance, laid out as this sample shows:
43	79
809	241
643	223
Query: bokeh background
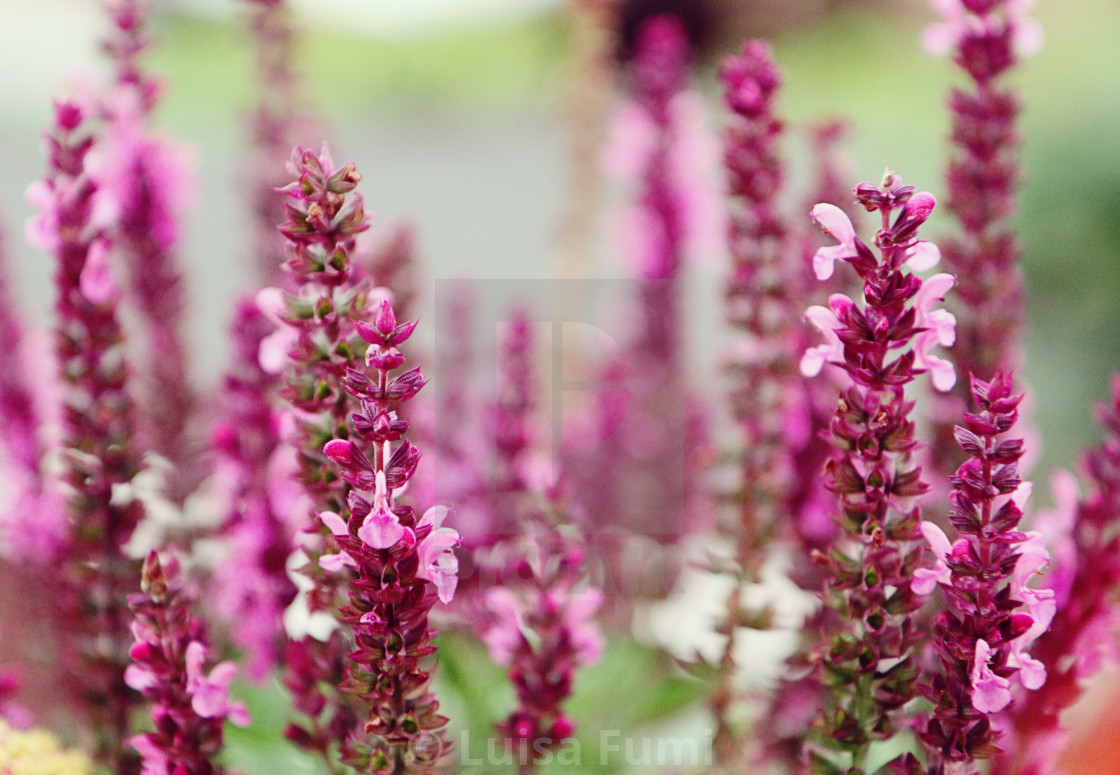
452	111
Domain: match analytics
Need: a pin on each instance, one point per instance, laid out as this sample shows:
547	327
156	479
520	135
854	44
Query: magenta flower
541	629
316	343
1080	640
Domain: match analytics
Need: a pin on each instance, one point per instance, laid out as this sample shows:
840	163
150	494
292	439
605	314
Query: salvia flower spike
983	635
867	655
1085	567
986	40
189	706
764	281
315	343
98	430
402	564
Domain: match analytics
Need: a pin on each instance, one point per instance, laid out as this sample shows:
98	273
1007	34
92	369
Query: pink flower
940	38
96	281
381	530
584	636
273	352
1040	604
940	328
826	320
41	230
438	563
153	760
990	693
210	694
926	579
503	637
836	224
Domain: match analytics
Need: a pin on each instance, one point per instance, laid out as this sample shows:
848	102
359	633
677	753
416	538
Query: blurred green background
451	112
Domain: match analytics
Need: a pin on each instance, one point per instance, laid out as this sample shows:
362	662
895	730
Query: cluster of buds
983	635
189	708
882	344
401	564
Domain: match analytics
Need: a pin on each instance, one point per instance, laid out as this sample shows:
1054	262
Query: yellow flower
37	752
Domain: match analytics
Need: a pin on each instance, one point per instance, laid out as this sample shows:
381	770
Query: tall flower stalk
537	618
982	636
867	658
316	343
986	39
23	440
143	185
272	125
189	708
1083	576
402	565
97	434
251	587
761	294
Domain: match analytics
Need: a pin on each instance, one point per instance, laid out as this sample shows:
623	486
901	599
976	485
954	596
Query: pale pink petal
1027	37
270	301
835	222
1032	673
139	678
990	692
932	291
940	38
438	563
825	258
334	563
195	656
381	530
272	354
926	579
96	282
334	523
827	323
434	517
922	256
942	372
